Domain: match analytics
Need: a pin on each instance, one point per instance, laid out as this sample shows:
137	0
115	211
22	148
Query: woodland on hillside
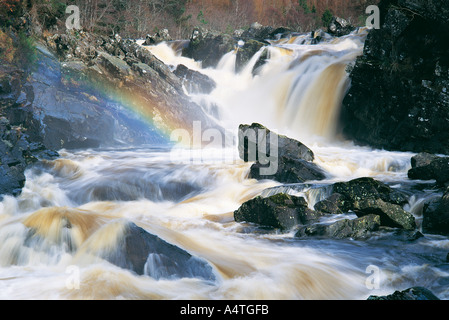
136	18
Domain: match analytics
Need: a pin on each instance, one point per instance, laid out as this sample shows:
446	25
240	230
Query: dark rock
427	166
276	157
436	215
246	52
260	33
194	81
366	196
147	254
279	211
287	170
339	27
399	95
415	293
256	140
16	154
358	228
208	47
335	204
391	215
367	188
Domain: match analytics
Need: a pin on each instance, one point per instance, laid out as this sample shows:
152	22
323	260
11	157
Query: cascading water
74	210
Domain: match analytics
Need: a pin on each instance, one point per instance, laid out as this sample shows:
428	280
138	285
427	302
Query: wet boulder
147	254
334	204
281	211
288	170
368	188
391	215
427	166
436	215
357	228
414	293
276	157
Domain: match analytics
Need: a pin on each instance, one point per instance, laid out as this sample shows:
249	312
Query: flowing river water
189	201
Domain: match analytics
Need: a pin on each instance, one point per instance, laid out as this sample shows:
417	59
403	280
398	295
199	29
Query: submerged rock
279	211
147	254
415	293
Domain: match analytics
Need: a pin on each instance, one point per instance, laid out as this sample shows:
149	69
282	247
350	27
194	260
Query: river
188	199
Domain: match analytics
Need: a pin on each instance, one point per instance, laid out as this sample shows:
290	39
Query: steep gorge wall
399	95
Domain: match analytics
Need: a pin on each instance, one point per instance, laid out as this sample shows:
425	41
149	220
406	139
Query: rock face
415	293
279	211
16	153
399	95
115	90
148	254
276	157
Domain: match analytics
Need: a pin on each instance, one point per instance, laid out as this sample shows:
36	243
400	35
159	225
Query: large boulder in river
281	211
399	95
276	156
